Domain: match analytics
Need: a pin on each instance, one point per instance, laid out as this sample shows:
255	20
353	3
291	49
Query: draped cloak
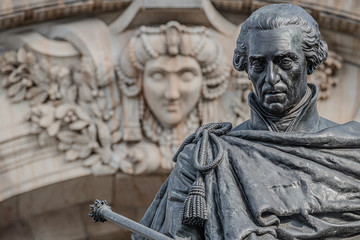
303	184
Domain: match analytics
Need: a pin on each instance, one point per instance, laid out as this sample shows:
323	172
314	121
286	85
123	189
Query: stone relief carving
66	104
326	76
171	79
160	105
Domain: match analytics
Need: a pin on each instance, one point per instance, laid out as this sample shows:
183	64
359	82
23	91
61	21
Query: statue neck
301	117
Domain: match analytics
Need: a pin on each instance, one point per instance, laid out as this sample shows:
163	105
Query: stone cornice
18	13
344	16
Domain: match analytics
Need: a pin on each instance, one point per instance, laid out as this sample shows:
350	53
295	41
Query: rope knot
194	211
217	129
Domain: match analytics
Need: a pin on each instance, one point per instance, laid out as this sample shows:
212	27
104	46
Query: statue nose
272	77
172	91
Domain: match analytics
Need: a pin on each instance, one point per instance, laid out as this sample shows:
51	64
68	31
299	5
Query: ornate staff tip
96	208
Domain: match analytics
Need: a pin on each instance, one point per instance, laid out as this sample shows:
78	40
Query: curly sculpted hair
277	16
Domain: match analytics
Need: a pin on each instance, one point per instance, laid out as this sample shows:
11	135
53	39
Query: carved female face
172	87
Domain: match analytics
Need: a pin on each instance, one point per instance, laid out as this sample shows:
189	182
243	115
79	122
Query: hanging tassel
194	212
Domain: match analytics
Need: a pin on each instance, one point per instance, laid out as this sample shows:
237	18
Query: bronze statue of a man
284	174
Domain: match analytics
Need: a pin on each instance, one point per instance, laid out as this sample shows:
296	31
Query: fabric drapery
283	186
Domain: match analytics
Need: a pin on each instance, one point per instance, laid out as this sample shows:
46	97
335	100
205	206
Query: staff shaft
133	226
101	211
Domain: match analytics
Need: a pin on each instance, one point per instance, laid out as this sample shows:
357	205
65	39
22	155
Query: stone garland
65	103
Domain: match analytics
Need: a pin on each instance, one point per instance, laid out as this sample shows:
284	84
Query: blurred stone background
76	125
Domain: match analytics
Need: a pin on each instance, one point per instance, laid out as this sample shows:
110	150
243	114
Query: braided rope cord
194	210
203	133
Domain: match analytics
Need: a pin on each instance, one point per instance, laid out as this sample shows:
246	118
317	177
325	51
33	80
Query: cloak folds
270	184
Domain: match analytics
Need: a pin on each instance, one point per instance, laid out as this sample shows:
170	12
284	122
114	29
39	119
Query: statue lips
172	106
275	95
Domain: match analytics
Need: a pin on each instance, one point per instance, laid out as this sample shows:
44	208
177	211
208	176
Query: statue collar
305	120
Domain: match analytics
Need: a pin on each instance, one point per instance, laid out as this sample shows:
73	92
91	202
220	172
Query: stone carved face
277	68
165	72
172	87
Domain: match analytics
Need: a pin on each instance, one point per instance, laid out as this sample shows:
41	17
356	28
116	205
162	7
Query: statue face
277	68
172	87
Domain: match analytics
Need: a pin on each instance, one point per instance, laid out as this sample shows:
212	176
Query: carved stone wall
95	106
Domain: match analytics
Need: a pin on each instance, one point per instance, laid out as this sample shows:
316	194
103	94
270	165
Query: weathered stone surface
59	202
56	196
56	225
137	191
17	231
9	211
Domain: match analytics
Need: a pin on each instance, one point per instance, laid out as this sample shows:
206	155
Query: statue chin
170	122
276	109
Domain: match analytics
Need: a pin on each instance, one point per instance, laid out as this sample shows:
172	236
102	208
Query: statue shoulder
243	126
206	133
324	123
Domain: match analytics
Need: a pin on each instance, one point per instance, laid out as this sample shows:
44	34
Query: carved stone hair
173	39
280	15
169	40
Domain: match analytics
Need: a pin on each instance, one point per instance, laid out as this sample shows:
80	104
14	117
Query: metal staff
101	211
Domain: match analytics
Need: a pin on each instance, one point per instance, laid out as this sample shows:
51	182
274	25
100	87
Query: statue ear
238	62
320	57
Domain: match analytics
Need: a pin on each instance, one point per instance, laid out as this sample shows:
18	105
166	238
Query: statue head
167	71
278	46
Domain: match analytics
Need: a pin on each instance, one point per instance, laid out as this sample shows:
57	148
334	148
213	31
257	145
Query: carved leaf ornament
65	104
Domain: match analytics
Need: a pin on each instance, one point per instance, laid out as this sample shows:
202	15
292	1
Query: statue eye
187	75
286	63
157	76
257	65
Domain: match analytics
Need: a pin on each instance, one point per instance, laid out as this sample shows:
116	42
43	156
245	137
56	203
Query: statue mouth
274	96
274	93
172	106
